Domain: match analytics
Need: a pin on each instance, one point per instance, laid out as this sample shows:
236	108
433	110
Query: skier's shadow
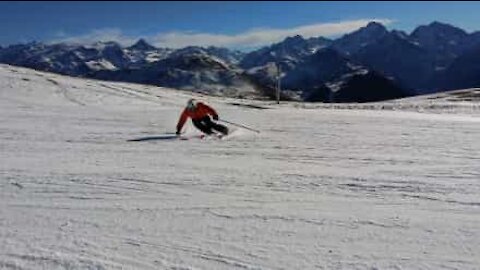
154	138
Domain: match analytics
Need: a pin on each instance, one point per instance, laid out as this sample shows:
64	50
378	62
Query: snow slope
321	187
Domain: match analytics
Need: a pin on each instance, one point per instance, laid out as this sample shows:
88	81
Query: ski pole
238	125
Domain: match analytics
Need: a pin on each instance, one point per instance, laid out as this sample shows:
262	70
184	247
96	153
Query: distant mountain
80	60
59	58
353	42
224	54
328	76
443	41
464	72
142	53
193	70
317	69
413	61
210	70
288	52
368	87
474	38
141	45
396	57
66	59
229	56
354	67
306	70
113	53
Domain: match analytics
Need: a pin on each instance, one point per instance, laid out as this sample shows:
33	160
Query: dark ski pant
206	125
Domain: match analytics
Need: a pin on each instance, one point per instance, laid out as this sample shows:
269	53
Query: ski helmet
191	104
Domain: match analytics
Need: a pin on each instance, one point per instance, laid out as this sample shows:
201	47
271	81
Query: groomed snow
321	187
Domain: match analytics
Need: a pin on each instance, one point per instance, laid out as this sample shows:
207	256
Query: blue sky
229	24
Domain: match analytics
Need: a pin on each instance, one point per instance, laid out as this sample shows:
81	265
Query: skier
199	112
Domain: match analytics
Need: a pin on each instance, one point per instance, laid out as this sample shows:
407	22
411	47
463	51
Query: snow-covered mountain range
433	58
417	61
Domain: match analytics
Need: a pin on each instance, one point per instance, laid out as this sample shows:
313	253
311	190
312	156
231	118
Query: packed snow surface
321	187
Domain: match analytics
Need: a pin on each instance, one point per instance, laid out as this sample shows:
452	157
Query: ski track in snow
319	188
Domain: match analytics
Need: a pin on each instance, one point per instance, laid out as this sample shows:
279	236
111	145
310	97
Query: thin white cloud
250	38
106	34
260	37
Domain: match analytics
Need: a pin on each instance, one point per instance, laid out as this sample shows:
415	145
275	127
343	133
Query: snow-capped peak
142	45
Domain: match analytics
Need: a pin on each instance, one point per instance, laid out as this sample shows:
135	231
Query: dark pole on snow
238	125
279	72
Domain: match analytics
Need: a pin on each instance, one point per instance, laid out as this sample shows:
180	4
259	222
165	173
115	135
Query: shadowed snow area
323	186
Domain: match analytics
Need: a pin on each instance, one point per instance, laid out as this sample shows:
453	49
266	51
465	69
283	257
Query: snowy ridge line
445	102
415	106
53	78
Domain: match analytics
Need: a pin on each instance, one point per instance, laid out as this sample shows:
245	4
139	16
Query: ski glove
215	117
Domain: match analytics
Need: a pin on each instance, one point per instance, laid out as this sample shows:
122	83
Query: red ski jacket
200	111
